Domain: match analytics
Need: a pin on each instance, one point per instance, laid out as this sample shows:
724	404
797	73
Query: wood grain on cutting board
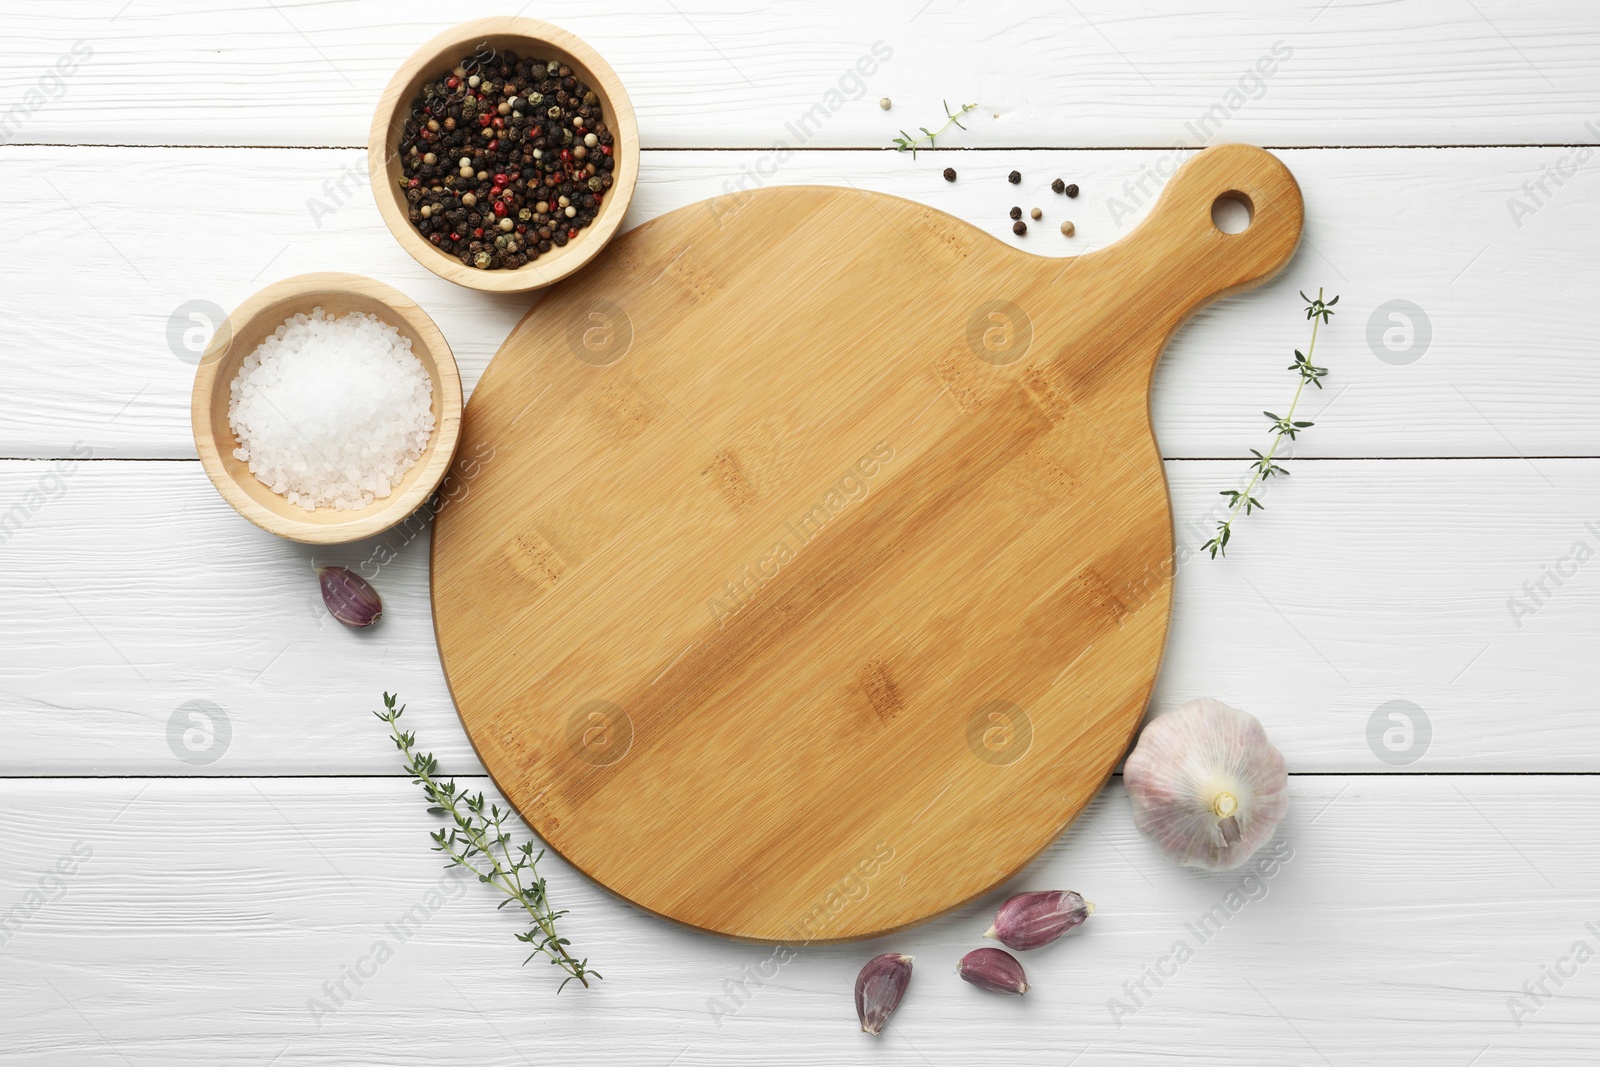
809	561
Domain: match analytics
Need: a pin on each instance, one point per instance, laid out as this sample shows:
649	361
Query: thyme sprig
480	843
906	143
1318	312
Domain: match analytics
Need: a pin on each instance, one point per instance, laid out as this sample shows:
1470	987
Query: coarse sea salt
331	412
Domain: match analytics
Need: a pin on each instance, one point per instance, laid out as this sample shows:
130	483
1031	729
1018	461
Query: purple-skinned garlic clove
349	597
993	969
1206	784
1030	920
879	989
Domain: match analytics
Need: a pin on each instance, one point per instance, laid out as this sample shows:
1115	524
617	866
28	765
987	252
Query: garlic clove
349	597
993	969
1029	920
1206	785
879	989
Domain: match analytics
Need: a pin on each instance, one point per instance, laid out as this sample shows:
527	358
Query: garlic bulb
1206	784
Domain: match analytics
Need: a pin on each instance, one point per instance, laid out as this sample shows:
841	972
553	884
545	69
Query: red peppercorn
499	208
453	82
478	232
494	146
498	123
566	155
453	237
483	120
500	179
572	232
414	183
522	228
606	149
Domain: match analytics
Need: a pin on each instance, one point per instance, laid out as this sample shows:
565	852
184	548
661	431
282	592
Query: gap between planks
866	148
1395	774
1164	459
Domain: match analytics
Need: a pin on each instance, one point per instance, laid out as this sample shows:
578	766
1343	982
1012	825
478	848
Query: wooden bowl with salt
491	36
244	330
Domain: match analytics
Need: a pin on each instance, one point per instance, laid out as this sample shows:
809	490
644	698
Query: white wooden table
172	899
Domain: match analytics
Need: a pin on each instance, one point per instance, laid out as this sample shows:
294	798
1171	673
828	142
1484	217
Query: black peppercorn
1058	186
1016	212
474	118
1072	190
1014	177
949	174
1019	228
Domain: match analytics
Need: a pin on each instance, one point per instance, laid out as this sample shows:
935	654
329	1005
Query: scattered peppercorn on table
211	853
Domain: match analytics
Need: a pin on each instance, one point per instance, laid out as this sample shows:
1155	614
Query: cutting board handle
1195	261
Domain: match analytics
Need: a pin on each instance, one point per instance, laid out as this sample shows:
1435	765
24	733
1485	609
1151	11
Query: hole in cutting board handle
1232	212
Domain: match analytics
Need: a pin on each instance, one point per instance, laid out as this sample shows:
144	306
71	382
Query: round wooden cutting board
806	564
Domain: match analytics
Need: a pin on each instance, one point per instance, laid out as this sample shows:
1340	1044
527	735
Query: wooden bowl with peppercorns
503	154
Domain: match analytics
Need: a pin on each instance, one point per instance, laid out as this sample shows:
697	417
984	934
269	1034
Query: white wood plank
134	589
1509	369
714	73
1400	918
